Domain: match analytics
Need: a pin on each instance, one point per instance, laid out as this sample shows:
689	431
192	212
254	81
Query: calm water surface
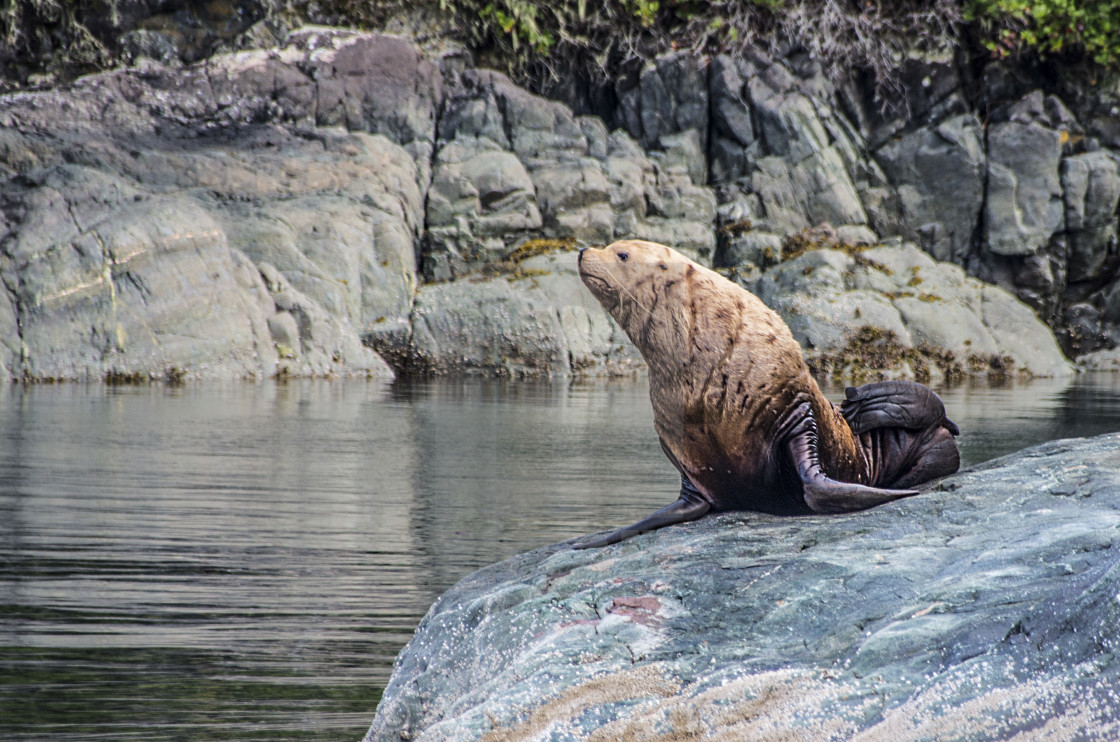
244	561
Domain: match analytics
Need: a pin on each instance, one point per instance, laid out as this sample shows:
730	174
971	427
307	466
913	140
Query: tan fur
723	369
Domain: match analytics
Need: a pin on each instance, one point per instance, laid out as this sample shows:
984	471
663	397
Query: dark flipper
823	494
826	496
938	457
689	506
904	432
894	404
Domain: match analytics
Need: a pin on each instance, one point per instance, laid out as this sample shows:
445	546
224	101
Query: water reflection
999	419
238	562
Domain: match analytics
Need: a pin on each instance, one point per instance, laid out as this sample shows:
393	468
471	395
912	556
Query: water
243	562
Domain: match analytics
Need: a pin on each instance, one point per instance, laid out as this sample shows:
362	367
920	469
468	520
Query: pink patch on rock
640	609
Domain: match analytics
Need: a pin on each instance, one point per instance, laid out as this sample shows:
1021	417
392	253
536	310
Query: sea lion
737	411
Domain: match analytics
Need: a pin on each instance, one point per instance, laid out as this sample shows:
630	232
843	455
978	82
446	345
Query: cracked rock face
984	607
510	164
215	220
315	207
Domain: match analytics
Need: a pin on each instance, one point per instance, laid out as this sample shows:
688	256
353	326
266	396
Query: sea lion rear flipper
823	494
894	404
689	506
826	495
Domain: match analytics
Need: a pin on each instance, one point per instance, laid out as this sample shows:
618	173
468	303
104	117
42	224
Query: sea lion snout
593	275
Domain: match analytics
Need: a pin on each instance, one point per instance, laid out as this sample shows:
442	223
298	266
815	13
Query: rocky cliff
984	608
338	200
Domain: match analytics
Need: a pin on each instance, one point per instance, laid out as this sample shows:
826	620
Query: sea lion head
643	286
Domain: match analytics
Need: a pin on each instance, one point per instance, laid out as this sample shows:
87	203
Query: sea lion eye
663	266
624	256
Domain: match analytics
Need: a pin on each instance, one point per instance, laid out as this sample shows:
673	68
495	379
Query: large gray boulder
1024	200
984	608
524	318
780	148
141	211
670	97
1091	184
108	279
940	320
937	176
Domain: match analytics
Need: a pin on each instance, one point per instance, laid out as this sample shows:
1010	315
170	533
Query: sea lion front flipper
689	506
823	494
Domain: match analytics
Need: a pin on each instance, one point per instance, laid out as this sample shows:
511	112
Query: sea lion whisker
626	290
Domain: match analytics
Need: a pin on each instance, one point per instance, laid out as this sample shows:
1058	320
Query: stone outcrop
511	165
995	173
936	177
532	318
250	216
859	314
784	156
843	306
319	206
984	608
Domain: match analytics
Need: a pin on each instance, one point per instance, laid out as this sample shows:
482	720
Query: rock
511	163
812	190
373	83
671	96
856	234
1091	185
1081	331
136	206
345	168
285	333
529	319
973	610
734	144
937	173
108	280
1024	204
9	335
932	90
830	299
338	216
774	140
325	343
738	248
479	193
1038	279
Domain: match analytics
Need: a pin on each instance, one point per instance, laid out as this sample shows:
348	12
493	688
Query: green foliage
529	33
533	38
1050	27
518	21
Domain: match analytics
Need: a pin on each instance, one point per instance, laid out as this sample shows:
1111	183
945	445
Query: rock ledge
985	608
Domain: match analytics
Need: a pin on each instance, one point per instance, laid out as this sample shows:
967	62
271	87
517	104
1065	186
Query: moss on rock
871	353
